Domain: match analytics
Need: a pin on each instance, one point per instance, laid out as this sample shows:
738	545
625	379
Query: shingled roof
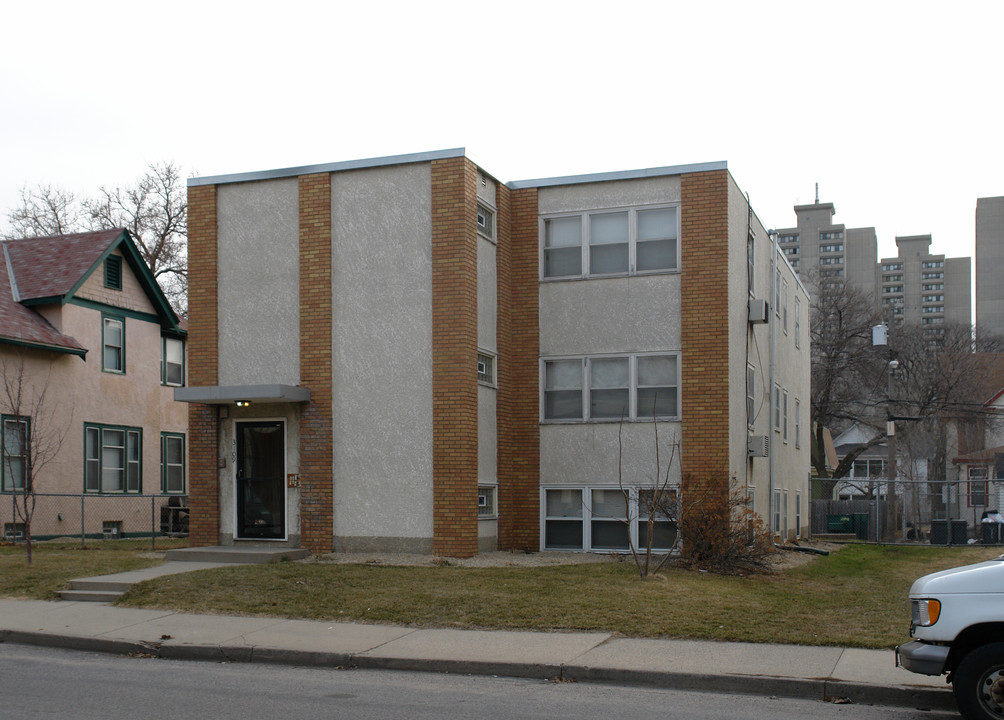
40	271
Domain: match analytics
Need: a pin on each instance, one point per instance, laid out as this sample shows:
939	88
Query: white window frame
750	395
488	510
798	513
798	424
777	408
784	306
485	221
634	412
108	321
488	377
166	366
585	272
784	415
633	519
798	321
11	480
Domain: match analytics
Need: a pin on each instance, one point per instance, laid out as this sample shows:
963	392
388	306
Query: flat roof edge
619	175
327	167
226	394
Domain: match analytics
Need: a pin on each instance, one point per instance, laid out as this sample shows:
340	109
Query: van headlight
925	612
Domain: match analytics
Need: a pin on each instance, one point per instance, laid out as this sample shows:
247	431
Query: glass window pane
175	479
657	370
563	534
113	332
657	224
563	232
175	453
656	255
605	259
609	404
663	535
658	402
608	228
609	504
610	535
608	372
563	374
562	261
564	503
563	389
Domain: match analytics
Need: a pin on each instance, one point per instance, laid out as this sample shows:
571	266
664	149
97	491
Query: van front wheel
978	683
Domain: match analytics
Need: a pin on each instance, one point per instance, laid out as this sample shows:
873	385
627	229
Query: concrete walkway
822	673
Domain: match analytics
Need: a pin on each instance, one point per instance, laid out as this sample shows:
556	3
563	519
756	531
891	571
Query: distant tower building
989	266
818	248
924	289
914	287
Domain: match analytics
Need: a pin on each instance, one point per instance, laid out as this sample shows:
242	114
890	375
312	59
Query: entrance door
261	491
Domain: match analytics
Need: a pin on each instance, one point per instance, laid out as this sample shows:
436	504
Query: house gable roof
49	270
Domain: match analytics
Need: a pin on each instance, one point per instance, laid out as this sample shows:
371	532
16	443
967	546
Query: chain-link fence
95	517
939	513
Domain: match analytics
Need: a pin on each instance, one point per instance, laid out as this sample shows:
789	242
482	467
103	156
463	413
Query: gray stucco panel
259	283
382	354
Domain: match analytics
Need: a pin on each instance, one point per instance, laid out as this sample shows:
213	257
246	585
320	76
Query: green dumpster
839	524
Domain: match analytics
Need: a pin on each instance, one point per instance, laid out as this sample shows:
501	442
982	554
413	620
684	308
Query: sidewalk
867	677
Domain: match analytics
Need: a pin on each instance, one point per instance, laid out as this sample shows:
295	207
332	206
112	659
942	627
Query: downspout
773	362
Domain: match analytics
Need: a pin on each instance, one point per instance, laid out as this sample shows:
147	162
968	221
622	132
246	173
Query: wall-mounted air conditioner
758	446
759	312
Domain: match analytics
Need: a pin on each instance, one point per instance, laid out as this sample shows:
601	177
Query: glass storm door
261	492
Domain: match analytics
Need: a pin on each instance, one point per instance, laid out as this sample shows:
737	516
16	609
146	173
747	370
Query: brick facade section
454	358
518	375
704	310
316	433
203	367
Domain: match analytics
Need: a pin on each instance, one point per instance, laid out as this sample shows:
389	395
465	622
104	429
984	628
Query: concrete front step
251	554
91	595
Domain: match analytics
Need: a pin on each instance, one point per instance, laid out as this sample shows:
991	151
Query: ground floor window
172	463
486	502
607	519
14	443
112	459
978	490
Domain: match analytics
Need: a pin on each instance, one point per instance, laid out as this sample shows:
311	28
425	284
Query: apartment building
915	287
989	261
407	354
919	288
819	248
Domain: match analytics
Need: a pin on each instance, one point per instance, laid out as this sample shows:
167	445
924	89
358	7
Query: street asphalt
867	677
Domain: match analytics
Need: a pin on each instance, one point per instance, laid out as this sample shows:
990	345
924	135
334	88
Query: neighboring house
867	476
87	322
979	487
406	354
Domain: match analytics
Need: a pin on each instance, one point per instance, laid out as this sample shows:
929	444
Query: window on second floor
113	343
628	387
172	367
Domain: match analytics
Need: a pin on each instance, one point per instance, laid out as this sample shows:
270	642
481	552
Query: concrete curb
924	698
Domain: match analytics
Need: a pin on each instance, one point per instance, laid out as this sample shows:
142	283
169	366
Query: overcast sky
894	108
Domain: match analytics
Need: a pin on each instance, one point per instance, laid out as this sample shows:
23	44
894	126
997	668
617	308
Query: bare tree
44	211
657	505
154	209
843	389
32	435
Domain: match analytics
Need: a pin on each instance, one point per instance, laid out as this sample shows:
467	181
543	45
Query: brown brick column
316	471
704	312
454	358
203	367
518	375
